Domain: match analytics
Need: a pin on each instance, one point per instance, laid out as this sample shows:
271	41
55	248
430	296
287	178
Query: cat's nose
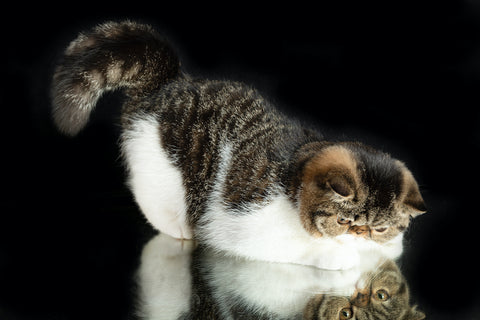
359	230
361	298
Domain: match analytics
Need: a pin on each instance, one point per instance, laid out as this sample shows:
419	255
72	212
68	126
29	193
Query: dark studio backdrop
403	77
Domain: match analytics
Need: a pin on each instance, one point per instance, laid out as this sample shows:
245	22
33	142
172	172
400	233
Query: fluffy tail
110	56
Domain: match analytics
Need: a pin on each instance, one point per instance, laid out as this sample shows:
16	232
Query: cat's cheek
327	226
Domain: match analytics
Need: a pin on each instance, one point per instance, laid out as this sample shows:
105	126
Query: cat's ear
412	198
415	314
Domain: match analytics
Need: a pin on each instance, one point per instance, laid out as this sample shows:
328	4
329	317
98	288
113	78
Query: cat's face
349	188
384	296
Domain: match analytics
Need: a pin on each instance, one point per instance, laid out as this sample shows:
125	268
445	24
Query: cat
215	161
178	280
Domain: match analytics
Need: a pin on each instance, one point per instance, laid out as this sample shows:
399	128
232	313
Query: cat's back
185	101
207	113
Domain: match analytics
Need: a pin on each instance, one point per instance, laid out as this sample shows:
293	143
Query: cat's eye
345	313
382	229
343	221
381	295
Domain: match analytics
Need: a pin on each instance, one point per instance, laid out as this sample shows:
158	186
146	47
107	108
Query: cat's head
384	295
349	188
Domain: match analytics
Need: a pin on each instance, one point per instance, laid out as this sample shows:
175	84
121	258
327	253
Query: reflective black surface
402	77
177	281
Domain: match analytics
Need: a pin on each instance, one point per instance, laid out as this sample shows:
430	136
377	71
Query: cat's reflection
178	281
383	294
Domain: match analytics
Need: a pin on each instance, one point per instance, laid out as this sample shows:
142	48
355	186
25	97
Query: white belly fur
155	181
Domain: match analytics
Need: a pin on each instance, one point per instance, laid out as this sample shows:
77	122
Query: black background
403	77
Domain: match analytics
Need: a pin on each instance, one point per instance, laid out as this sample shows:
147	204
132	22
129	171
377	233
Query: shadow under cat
178	280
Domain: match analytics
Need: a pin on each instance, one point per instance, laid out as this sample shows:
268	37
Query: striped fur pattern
100	60
214	160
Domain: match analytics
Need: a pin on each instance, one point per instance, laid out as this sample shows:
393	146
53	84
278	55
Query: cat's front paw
338	260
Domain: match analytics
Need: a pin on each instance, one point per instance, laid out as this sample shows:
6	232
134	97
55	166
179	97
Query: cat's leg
164	279
155	181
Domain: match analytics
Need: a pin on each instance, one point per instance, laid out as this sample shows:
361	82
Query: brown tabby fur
338	187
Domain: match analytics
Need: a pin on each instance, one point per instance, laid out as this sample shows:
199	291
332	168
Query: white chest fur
274	233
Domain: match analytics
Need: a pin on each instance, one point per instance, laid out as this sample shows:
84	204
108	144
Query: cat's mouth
354	229
361	231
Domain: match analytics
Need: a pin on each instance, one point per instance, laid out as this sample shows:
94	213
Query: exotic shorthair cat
214	161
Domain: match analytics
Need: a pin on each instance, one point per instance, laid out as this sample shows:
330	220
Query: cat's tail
110	56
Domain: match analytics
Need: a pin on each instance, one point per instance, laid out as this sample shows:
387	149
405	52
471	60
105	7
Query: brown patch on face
329	180
335	161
